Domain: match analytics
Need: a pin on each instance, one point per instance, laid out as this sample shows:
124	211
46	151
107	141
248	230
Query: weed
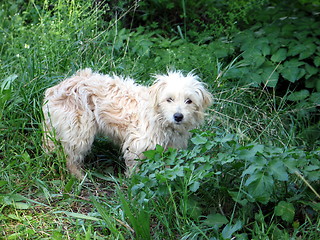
252	172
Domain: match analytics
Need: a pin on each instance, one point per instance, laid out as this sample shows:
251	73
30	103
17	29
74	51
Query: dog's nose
178	117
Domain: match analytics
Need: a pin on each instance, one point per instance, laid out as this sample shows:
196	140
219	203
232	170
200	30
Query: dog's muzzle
178	117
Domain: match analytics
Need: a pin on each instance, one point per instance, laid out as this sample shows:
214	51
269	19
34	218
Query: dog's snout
178	117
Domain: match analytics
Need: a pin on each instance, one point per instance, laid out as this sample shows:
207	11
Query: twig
307	183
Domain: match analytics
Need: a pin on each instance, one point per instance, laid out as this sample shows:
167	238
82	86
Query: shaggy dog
135	117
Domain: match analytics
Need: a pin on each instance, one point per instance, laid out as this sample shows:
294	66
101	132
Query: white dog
135	117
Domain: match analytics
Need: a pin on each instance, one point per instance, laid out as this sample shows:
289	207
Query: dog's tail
87	72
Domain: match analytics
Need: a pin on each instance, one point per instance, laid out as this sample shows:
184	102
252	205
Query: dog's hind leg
75	129
77	143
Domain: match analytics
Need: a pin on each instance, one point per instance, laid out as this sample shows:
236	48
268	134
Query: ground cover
251	172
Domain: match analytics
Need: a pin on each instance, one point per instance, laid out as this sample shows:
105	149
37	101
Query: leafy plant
218	166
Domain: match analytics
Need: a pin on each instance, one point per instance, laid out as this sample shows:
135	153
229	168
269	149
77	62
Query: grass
206	194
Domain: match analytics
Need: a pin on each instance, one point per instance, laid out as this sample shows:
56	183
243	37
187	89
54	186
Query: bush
195	20
219	175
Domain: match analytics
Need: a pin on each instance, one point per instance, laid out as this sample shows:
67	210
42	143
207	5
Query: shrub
195	20
219	175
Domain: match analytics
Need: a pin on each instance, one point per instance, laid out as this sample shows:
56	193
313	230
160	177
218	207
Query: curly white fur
135	117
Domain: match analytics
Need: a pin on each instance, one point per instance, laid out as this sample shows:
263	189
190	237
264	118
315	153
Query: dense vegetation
251	172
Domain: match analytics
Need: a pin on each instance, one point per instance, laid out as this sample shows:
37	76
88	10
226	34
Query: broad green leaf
277	170
230	229
237	72
253	57
309	49
265	49
316	61
294	63
291	70
198	140
298	96
159	148
215	220
21	205
250	170
311	168
250	150
227	138
311	70
270	76
288	29
254	79
296	49
313	176
285	210
260	186
150	154
195	186
220	49
315	97
291	164
279	55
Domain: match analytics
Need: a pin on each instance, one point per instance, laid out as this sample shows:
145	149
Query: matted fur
135	117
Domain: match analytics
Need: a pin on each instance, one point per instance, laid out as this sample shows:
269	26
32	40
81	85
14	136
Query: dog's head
180	101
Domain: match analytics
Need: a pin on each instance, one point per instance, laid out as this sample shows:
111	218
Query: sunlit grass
41	45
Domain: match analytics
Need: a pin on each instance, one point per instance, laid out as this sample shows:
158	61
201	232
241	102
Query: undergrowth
251	172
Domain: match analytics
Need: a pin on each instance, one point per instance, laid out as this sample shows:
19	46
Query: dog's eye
169	100
188	101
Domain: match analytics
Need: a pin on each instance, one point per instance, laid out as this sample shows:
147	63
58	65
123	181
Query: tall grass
44	42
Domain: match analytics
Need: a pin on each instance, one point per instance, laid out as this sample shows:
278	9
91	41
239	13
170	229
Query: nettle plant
219	175
284	53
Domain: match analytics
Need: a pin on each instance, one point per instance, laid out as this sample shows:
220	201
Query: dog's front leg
130	158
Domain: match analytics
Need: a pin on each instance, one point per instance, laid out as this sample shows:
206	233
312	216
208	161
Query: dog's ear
155	91
206	97
203	93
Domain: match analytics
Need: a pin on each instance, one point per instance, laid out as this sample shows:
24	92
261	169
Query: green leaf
260	186
285	210
150	154
7	83
249	151
254	79
230	229
270	76
250	170
311	70
318	85
315	97
265	49
291	70
277	170
198	140
253	57
21	205
288	29
78	215
195	186
279	55
316	61
296	49
299	96
309	49
3	182
215	220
